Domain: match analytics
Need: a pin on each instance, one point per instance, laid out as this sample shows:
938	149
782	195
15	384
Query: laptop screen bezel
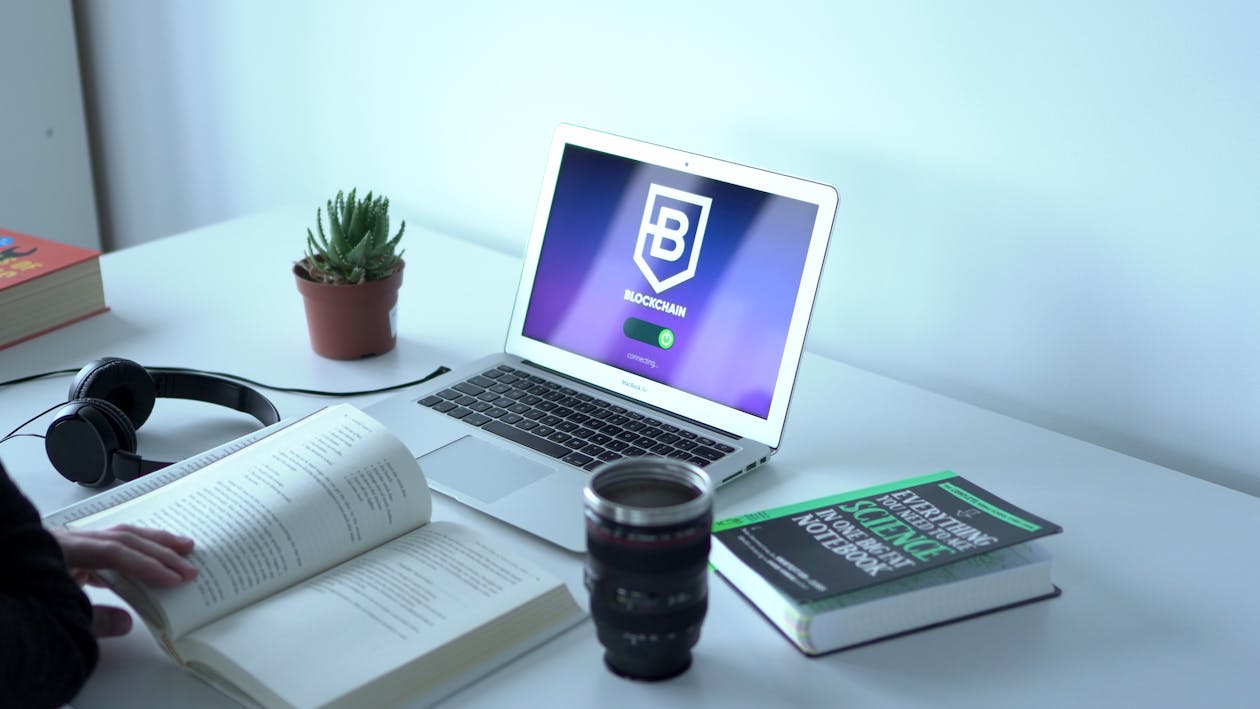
740	423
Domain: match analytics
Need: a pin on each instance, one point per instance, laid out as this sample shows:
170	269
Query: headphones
92	440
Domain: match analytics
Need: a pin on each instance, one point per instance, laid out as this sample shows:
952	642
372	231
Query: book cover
829	546
24	257
44	285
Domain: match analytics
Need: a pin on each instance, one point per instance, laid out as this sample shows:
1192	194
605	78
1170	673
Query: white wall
45	171
1047	208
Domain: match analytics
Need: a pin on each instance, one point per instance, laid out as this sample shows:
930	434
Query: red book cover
24	257
30	307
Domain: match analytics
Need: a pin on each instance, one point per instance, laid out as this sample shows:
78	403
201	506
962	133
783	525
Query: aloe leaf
393	243
354	222
380	231
346	203
357	256
338	239
319	224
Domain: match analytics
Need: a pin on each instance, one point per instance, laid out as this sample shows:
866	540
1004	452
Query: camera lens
648	526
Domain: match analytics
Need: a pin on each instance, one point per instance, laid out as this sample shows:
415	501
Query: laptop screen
681	279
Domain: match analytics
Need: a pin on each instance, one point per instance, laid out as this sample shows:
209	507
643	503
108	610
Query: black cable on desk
442	369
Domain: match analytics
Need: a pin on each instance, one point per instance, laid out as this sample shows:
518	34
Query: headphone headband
92	440
214	390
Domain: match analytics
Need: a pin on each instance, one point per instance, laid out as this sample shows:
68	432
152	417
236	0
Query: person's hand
151	556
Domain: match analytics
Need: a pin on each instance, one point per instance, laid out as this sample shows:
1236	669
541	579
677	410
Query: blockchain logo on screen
671	235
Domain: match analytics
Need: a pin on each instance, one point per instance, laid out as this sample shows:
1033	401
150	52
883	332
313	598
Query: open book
322	580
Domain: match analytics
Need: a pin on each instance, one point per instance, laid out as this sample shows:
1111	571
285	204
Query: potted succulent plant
349	278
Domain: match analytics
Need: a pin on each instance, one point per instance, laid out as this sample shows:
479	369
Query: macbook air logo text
670	236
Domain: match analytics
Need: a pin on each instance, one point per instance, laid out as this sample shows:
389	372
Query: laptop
661	311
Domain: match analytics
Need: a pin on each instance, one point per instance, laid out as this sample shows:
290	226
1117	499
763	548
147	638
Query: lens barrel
648	523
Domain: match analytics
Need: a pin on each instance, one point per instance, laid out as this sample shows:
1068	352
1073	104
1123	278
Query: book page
283	509
412	597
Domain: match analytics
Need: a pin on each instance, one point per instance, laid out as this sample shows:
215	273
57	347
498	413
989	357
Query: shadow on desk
74	346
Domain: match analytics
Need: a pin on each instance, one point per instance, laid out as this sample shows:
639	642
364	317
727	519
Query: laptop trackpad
479	469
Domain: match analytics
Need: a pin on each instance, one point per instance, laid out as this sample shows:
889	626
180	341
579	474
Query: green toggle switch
644	331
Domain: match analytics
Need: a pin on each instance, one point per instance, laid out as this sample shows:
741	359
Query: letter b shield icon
670	235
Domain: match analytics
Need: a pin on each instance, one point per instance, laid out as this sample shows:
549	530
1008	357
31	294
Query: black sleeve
47	649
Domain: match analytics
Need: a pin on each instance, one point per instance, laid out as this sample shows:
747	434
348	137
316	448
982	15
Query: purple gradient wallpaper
729	319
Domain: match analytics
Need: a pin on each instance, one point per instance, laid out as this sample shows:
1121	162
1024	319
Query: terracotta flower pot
351	322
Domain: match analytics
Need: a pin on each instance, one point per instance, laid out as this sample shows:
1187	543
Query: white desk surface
1159	570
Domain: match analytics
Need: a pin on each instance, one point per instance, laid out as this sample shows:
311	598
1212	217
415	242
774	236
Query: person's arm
47	649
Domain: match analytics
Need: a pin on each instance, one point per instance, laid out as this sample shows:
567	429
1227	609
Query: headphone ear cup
83	438
121	382
120	422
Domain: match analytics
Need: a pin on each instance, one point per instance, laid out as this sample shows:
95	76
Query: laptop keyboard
580	429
